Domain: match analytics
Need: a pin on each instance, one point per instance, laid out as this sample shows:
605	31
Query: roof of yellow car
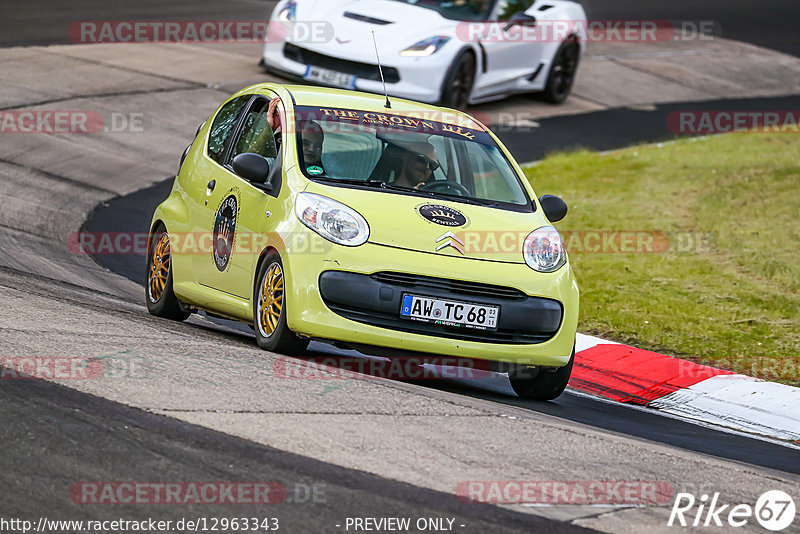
307	95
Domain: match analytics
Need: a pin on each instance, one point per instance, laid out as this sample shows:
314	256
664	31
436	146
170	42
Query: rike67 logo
774	510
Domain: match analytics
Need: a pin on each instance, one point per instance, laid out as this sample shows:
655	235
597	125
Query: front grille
459	287
366	71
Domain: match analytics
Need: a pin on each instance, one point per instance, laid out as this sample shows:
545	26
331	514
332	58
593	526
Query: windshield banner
422	121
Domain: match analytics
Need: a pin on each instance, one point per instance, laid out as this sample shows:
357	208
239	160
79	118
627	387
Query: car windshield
412	154
457	9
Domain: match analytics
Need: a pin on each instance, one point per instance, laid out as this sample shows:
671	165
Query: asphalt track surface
73	436
771	24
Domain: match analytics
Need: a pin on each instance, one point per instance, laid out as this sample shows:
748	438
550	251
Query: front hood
395	220
407	25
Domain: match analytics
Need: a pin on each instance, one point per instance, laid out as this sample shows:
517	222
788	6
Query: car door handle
212	184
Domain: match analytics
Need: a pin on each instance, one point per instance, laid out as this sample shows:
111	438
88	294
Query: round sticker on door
224	232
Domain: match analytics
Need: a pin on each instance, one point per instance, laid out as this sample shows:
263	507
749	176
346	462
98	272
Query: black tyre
546	385
161	300
269	310
459	81
562	73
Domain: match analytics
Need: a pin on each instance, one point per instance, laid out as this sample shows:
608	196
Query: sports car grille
366	71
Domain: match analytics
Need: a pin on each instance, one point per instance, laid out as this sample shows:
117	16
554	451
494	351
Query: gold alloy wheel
159	268
270	300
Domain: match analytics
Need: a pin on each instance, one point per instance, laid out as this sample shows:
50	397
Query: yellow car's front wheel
269	309
540	384
161	301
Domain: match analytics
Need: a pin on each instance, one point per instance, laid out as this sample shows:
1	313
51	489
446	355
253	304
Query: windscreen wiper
386	185
431	194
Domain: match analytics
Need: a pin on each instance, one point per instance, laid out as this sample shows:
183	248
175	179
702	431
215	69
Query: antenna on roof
388	104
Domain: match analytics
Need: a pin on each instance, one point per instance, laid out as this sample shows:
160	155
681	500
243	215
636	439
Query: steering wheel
441	186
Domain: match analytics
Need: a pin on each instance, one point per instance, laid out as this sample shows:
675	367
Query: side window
223	126
256	135
506	8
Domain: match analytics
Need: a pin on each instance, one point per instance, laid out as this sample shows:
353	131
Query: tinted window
407	153
223	126
457	9
256	136
506	8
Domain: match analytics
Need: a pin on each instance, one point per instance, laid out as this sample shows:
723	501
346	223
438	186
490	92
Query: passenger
273	117
313	138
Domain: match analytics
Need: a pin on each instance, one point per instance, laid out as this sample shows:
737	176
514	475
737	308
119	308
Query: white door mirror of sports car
520	18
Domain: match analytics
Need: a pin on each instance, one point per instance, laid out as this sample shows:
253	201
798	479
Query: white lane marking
739	402
698	422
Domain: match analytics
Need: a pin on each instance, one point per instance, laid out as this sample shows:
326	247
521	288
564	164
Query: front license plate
330	77
449	312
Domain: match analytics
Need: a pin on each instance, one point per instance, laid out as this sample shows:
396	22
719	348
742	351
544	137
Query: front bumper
314	270
412	78
376	299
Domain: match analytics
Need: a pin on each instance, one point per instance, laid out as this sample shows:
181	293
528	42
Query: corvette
317	213
447	52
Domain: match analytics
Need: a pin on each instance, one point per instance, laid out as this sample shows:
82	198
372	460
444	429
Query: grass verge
722	216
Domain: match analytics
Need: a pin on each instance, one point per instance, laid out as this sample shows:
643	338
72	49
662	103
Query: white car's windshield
457	9
412	154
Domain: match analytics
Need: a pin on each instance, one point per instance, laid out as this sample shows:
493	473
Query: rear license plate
449	312
330	77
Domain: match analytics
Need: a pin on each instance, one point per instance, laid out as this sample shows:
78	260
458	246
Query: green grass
733	303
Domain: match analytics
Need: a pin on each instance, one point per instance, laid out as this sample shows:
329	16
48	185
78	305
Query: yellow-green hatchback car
389	227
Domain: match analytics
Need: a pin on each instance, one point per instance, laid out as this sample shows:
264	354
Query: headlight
332	220
544	251
289	12
425	48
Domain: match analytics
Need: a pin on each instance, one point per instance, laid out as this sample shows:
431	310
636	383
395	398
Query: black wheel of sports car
459	81
161	301
562	72
269	310
546	385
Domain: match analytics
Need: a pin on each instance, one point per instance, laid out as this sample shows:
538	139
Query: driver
419	162
479	6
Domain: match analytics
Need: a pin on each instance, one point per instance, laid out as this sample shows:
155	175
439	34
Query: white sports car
447	52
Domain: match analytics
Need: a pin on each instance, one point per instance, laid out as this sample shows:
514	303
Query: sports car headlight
289	12
331	219
544	251
425	48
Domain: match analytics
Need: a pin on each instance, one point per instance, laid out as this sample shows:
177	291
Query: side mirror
520	18
554	208
253	168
